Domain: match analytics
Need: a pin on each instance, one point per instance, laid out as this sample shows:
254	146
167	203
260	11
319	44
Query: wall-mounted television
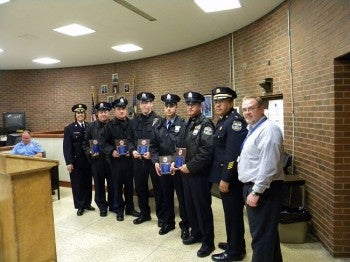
13	121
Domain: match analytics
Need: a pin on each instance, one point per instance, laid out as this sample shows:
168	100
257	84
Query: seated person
28	146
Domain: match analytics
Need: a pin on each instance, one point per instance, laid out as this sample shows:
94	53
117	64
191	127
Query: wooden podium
26	217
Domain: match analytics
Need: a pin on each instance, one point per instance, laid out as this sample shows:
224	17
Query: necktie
168	125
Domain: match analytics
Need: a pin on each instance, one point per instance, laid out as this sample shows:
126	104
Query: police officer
229	134
99	165
77	163
114	137
166	133
142	129
197	138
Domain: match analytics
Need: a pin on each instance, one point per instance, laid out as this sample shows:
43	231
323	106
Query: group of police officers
92	150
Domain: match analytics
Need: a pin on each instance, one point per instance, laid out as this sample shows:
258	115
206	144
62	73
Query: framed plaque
143	146
180	157
121	146
94	146
165	164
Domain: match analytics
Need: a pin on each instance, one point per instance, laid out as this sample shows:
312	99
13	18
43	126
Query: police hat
145	97
193	97
103	106
79	108
223	92
170	99
120	102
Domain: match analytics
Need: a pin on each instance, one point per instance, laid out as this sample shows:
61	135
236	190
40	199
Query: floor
94	238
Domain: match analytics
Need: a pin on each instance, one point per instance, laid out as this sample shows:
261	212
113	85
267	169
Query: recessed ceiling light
46	60
127	48
1	50
74	30
4	1
209	6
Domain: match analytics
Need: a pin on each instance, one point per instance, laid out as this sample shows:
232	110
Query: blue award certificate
142	146
94	146
121	146
165	164
180	157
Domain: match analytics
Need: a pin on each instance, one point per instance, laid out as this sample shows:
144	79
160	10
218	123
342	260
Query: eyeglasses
249	109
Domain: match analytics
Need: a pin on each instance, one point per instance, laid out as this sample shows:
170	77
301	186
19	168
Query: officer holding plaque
163	147
229	133
197	138
114	145
99	165
140	136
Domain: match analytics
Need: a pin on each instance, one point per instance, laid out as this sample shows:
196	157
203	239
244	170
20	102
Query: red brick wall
319	34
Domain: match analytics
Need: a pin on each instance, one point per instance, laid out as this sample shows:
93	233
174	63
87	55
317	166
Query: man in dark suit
229	134
77	163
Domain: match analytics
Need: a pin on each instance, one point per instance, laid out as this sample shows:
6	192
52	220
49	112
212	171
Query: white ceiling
26	29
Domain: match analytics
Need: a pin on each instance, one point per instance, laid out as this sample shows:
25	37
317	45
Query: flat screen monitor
14	121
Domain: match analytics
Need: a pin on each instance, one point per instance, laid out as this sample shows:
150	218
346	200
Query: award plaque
142	146
121	146
180	157
94	146
165	164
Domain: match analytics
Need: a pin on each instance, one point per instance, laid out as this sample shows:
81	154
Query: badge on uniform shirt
196	129
177	129
208	131
237	126
155	121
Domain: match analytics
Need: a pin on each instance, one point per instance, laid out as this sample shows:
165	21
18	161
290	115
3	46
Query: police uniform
197	138
166	134
99	165
121	167
81	177
229	134
142	128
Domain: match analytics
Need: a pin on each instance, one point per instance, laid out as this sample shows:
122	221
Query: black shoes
160	223
80	212
223	245
90	208
191	240
225	257
166	228
141	219
205	250
185	233
120	217
133	213
103	213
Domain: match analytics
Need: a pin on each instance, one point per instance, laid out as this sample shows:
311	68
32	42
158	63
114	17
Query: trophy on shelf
165	164
142	146
94	146
121	146
180	157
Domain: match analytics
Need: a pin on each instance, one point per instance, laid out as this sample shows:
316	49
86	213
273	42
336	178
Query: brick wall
319	34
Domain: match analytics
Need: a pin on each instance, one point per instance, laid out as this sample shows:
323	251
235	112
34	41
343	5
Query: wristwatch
255	193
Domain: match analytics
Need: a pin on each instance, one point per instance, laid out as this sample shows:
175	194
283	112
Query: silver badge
236	125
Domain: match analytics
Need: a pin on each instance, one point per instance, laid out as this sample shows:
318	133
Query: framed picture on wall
207	106
127	88
115	88
104	89
115	78
110	99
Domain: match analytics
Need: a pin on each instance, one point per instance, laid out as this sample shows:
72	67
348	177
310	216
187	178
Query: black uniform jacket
93	131
142	128
229	134
164	140
114	129
73	145
197	138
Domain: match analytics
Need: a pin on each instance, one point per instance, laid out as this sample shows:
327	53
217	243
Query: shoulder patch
155	121
208	131
237	125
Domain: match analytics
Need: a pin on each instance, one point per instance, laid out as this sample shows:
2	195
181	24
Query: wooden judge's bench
26	214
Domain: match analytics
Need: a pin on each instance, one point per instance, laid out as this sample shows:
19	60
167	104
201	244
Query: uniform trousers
101	173
167	185
81	182
263	223
198	206
122	177
143	168
233	205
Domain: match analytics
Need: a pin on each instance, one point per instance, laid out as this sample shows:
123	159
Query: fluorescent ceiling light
4	1
46	60
209	6
127	48
74	30
1	50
